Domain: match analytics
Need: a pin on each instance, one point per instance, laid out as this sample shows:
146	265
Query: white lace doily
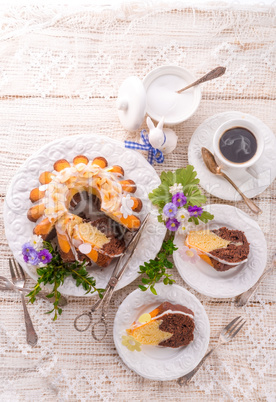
59	77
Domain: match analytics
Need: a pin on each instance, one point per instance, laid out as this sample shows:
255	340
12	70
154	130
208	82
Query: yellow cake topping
205	240
144	318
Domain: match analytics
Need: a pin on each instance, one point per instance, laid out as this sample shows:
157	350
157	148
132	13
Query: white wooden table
59	75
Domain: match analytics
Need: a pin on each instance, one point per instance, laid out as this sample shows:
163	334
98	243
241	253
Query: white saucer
158	363
219	187
205	279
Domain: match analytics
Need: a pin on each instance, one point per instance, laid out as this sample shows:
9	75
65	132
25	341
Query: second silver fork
18	279
226	335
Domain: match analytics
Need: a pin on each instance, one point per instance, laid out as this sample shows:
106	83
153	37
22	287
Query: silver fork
226	335
242	299
6	284
18	279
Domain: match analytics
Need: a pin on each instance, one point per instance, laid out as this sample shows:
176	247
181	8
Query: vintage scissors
105	301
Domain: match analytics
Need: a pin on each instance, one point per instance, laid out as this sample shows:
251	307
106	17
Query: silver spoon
214	168
217	72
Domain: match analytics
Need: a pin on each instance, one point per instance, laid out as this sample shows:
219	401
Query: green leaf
160	196
160	219
153	290
143	288
49	312
206	216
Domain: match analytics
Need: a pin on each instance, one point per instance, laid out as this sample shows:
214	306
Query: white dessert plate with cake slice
204	278
159	363
19	229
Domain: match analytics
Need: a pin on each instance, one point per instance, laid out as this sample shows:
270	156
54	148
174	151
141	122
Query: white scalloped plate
205	279
156	362
218	186
19	229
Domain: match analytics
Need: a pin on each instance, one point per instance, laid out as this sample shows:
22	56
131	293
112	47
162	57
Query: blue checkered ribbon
153	153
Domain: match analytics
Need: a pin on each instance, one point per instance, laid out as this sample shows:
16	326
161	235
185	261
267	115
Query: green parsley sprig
155	270
55	272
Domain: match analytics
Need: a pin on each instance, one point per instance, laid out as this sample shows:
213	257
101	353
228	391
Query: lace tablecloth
59	75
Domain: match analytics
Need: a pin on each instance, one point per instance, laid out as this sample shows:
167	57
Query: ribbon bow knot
154	154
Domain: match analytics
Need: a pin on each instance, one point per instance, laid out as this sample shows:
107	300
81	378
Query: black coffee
238	145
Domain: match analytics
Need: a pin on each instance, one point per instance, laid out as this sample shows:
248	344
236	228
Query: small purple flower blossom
172	224
33	257
179	199
195	211
170	210
27	249
44	256
29	254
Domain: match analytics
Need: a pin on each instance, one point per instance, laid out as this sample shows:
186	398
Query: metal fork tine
235	333
234	327
16	269
12	270
22	275
230	325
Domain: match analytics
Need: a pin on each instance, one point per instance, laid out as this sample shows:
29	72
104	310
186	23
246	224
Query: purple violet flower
44	256
179	199
172	224
195	211
170	210
27	249
33	257
25	257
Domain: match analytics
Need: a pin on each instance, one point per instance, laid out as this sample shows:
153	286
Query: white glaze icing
78	178
138	324
82	177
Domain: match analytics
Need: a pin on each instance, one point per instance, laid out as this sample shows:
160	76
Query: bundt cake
60	193
222	248
169	325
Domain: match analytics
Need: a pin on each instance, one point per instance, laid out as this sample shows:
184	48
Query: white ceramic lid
131	103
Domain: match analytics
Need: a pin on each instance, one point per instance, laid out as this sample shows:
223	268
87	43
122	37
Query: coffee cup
239	144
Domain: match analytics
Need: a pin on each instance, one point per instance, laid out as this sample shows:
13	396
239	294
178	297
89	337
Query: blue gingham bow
154	154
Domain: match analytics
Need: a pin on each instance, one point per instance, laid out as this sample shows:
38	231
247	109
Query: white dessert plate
205	279
216	185
19	229
156	362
